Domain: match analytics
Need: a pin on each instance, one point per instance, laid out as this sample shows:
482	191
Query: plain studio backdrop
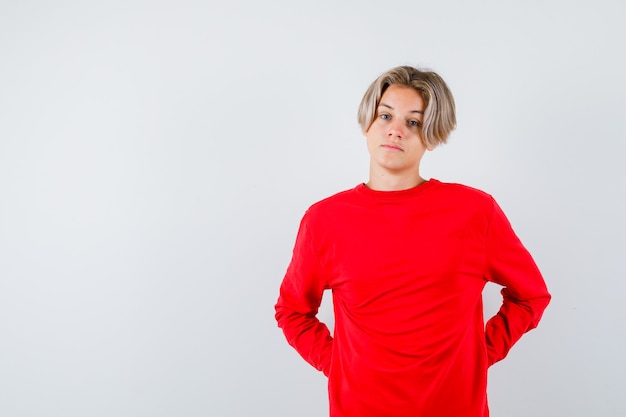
156	159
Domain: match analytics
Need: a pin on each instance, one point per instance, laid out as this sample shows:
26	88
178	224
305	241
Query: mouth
392	147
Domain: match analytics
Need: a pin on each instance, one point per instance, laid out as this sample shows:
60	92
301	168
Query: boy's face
394	140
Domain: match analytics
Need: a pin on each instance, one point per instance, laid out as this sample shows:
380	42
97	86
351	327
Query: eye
385	116
414	123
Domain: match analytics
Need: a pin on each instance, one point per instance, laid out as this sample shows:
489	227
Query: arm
300	297
525	295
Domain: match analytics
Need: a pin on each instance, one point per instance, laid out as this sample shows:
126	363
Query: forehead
402	96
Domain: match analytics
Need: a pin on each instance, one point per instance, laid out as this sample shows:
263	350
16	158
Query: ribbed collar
362	189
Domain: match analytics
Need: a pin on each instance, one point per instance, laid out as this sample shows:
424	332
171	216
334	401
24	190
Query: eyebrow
389	107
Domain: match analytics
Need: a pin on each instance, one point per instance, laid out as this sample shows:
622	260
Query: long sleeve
525	295
300	297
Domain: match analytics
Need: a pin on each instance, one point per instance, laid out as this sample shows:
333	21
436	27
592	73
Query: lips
392	147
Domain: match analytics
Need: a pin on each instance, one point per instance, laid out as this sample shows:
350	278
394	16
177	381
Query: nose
396	130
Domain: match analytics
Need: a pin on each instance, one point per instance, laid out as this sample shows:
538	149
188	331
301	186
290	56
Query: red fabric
407	269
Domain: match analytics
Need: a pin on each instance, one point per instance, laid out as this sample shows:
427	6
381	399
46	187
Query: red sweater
407	269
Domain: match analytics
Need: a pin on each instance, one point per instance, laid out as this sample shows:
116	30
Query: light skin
394	140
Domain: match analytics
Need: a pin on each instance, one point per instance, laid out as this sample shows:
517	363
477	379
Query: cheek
371	143
375	131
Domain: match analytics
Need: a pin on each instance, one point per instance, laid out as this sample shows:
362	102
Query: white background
156	158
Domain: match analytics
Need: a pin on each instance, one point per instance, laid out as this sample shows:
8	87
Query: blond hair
439	115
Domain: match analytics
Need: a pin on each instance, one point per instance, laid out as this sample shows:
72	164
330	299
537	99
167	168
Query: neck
390	182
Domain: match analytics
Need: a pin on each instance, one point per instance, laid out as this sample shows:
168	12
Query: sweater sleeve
300	297
525	295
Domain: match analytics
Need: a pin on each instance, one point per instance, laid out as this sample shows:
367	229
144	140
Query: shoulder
462	193
332	207
333	202
463	198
